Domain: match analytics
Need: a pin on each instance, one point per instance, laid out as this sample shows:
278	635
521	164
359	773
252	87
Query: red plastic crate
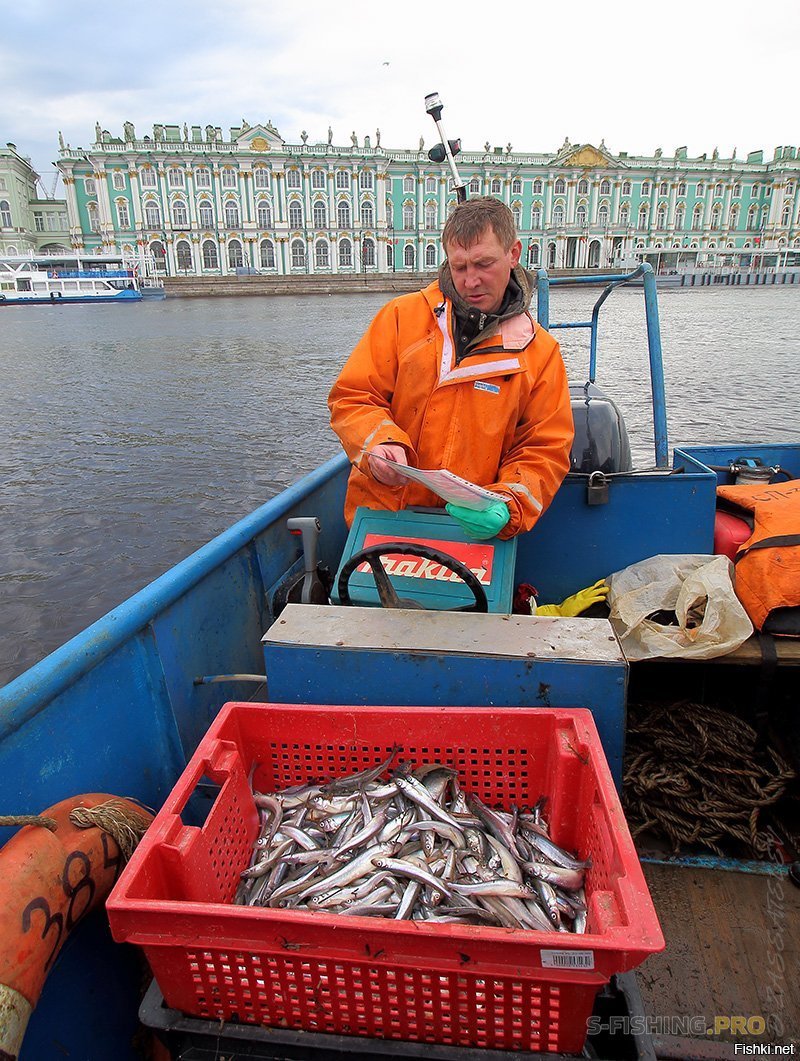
456	984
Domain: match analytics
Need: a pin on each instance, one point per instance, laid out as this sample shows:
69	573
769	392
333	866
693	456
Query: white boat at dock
48	279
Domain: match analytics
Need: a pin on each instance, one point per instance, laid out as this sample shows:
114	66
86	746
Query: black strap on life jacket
775	542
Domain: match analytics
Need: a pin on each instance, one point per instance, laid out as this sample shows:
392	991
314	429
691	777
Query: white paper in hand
451	488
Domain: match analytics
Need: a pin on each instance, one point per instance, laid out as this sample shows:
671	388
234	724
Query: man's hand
383	472
480	525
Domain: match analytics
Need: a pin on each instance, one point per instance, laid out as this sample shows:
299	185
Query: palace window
537	186
148	177
680	217
180	215
786	216
159	256
737	191
202	178
755	190
430	185
661	216
645	187
430	256
342	180
752	218
183	254
682	188
235	256
643	216
318	179
408	184
789	188
701	189
583	187
152	214
580	216
536	215
624	214
206	214
345	253
663	188
365	180
38	220
368	253
733	217
409	257
626	187
231	214
719	189
295	214
261	177
558	215
560	186
320	214
516	187
367	214
430	215
264	214
293	180
533	254
343	214
175	177
551	255
605	187
298	254
715	215
123	213
497	187
118	181
322	257
408	215
89	186
228	177
210	256
267	254
516	211
697	217
475	186
602	216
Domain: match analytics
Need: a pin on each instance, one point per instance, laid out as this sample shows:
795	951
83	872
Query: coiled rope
697	775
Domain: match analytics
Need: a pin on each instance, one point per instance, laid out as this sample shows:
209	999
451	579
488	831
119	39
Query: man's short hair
470	219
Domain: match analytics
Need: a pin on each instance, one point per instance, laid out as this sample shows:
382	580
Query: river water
131	435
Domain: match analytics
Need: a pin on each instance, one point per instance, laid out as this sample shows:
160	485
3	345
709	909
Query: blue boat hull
58	300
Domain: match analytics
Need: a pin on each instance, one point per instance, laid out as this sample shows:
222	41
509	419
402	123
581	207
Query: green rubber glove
481	525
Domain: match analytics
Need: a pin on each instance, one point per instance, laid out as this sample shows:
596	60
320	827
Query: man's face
480	272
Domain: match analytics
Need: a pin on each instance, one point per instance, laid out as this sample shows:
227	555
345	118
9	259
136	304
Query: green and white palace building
198	203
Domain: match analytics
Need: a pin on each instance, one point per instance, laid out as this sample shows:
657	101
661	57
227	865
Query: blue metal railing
614	280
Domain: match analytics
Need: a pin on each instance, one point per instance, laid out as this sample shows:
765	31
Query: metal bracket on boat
597	489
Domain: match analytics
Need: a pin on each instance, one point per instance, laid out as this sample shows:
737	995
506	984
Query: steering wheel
388	597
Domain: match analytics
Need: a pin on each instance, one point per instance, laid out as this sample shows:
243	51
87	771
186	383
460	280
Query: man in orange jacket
458	376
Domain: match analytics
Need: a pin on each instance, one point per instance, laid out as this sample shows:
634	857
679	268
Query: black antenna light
447	149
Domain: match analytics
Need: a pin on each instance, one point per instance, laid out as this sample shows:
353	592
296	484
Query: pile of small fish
415	846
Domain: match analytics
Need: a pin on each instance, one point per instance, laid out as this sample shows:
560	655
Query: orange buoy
49	881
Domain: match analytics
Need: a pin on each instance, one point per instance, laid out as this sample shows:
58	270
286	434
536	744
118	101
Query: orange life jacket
768	563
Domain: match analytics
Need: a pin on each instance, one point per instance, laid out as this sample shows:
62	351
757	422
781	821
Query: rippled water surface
130	435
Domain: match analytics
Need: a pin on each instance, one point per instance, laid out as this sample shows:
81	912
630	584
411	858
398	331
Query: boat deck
733	948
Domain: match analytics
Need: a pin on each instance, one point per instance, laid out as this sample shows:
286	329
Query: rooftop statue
245	125
354	139
330	135
130	133
60	139
367	144
158	132
304	136
377	138
98	132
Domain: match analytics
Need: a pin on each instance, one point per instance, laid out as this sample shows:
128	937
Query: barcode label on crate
568	959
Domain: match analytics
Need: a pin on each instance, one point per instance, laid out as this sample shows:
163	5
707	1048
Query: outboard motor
601	439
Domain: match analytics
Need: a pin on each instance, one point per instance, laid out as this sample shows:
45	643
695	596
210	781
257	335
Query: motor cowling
601	438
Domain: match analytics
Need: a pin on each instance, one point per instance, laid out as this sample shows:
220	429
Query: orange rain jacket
768	563
501	418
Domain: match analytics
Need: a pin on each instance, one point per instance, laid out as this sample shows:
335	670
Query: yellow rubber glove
577	603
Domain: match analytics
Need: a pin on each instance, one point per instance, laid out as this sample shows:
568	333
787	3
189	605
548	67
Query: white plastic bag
698	588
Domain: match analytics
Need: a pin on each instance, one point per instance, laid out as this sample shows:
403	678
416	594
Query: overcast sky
639	75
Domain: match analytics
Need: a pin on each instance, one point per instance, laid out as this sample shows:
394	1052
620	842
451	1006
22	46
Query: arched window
497	186
298	254
536	215
231	214
322	257
605	187
267	254
626	187
682	188
661	216
558	214
551	255
430	215
516	211
680	217
345	253
5	213
147	177
408	215
534	252
180	215
206	213
715	215
516	187
210	256
123	213
228	177
701	189
789	188
94	217
583	187
409	256
342	180
202	178
235	256
430	185
89	186
264	214
786	216
159	256
624	214
367	214
320	214
318	179
697	217
475	186
645	187
537	186
719	189
580	216
602	215
183	254
663	188
365	180
430	256
343	214
152	214
643	216
737	190
175	177
295	214
408	184
560	186
293	178
368	253
118	181
733	217
261	177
